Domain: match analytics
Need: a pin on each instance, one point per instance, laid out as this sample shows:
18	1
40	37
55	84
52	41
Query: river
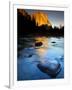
52	49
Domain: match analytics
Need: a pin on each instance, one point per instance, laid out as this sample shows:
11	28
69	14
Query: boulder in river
38	44
51	68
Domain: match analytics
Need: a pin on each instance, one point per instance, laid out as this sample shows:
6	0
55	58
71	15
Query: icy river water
52	49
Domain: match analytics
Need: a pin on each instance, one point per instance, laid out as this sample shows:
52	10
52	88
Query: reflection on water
41	51
48	49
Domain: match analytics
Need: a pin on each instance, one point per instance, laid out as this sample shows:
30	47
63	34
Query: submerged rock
53	42
30	56
51	68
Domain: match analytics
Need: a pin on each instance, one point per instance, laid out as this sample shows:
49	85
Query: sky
55	17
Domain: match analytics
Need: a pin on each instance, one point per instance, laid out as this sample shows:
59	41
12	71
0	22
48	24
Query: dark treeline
26	26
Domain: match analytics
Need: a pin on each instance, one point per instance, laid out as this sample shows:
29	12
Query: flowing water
30	56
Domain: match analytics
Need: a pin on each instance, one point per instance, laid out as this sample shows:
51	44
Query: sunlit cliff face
41	18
